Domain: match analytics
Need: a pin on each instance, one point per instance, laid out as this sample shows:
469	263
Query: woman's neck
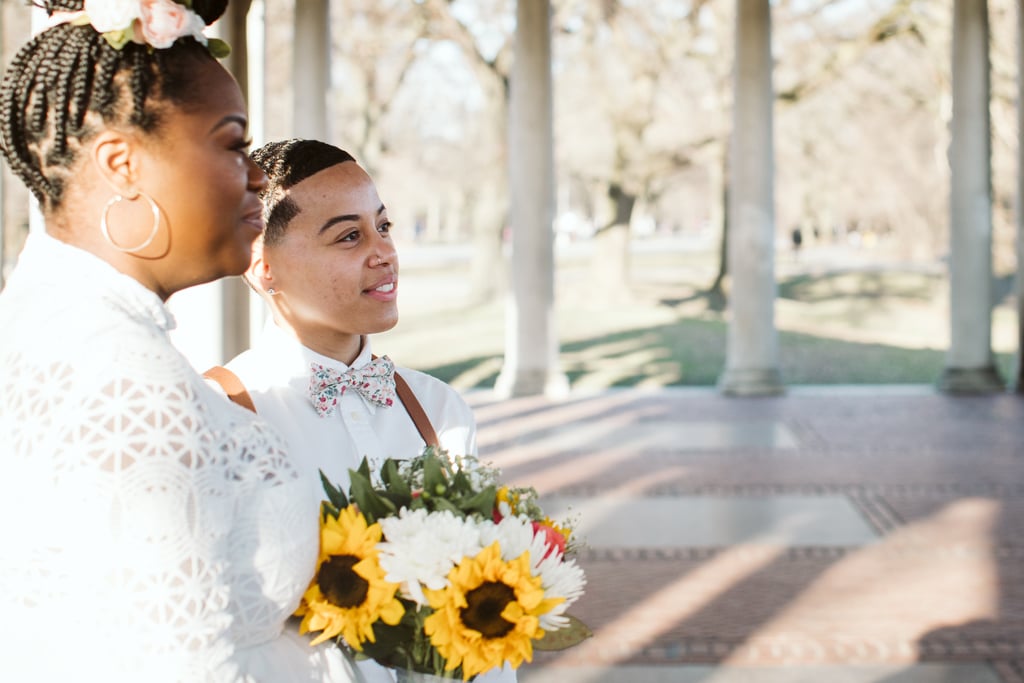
344	348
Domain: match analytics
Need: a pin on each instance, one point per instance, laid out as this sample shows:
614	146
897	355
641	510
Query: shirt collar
44	255
293	360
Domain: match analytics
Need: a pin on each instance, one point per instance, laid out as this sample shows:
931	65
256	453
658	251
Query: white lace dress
151	530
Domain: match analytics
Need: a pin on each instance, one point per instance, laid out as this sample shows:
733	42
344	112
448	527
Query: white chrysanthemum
514	535
421	548
560	578
112	15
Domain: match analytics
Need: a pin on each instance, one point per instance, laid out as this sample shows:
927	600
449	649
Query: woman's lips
383	291
255	219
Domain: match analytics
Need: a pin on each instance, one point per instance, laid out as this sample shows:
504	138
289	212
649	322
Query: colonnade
752	365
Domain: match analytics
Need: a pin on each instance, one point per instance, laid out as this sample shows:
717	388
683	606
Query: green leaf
393	480
118	39
442	504
388	639
461	483
218	48
364	468
370	504
434	481
564	638
482	503
398	501
335	495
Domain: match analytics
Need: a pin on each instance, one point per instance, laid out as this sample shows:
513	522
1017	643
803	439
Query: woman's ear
260	274
115	155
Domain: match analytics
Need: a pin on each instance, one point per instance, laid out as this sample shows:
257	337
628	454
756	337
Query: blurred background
419	93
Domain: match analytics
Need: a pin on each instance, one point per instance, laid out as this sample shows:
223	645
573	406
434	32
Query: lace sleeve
128	489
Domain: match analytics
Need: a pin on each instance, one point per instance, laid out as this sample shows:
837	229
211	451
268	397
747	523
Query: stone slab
669	435
916	673
669	522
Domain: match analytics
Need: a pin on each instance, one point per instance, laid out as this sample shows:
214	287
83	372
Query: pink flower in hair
164	21
111	15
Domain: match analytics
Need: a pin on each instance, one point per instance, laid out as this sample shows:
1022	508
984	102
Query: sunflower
349	593
489	613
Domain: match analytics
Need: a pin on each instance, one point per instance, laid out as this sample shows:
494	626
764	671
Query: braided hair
288	163
67	82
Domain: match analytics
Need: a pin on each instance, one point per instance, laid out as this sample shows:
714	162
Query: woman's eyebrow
347	217
338	219
230	118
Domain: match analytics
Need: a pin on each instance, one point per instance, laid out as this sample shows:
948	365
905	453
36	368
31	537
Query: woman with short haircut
328	269
152	531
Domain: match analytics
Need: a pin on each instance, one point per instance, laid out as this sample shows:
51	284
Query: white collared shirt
276	373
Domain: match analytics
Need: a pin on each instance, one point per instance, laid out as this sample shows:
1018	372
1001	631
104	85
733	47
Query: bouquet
438	568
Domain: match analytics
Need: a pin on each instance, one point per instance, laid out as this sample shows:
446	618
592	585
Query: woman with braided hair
151	530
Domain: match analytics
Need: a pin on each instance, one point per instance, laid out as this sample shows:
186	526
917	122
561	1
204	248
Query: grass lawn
847	324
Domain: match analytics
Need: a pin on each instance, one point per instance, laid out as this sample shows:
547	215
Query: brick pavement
939	479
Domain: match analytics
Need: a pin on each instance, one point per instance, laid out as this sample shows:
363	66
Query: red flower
552	537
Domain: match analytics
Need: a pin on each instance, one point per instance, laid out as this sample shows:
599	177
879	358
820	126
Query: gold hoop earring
105	229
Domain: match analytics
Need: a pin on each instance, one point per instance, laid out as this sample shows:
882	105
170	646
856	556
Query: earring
272	291
105	229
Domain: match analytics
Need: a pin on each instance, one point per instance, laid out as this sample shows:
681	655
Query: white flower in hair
164	21
112	15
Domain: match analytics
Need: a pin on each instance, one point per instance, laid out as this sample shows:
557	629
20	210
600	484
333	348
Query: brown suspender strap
232	386
235	390
416	412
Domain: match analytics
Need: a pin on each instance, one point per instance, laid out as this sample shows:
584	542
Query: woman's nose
385	254
257	178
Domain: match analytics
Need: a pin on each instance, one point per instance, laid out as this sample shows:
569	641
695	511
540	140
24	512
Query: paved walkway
831	536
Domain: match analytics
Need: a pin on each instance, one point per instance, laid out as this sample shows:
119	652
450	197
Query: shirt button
356	417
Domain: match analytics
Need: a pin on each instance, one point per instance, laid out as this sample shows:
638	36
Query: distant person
797	237
328	269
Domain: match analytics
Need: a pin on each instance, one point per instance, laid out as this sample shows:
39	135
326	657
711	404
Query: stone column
235	294
531	345
311	70
1019	383
970	367
751	366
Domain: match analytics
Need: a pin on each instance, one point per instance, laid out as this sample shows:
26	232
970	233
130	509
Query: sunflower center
484	605
340	584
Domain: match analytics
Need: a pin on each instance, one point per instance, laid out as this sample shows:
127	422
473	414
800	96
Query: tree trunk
488	274
489	267
720	185
609	269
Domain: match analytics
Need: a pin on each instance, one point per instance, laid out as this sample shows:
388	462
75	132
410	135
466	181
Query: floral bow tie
374	381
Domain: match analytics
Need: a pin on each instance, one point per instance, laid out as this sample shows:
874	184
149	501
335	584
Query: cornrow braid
67	82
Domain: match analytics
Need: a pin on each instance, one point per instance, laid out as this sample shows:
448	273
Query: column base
751	382
967	381
531	382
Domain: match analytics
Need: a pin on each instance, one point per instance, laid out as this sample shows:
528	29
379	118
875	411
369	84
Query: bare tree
482	30
629	70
